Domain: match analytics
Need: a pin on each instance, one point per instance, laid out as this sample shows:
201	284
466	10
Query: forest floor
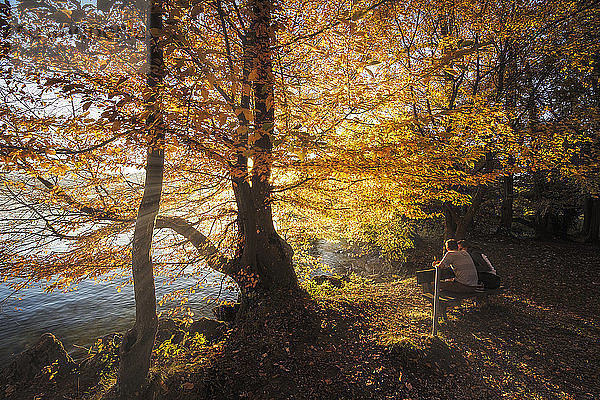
367	340
538	340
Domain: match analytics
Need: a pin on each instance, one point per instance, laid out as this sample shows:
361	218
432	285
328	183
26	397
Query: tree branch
215	259
62	150
96	213
331	25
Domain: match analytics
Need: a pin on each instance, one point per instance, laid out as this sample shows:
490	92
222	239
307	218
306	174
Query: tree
421	125
364	110
260	262
136	348
470	86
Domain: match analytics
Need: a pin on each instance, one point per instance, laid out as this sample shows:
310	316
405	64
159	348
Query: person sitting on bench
485	270
465	280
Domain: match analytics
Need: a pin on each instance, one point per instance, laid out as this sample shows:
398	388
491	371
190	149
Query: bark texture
263	261
591	220
459	221
136	348
506	207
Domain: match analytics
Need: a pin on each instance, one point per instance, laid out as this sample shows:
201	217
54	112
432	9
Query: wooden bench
444	300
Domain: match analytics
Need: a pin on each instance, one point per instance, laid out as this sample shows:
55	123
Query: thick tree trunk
541	221
591	220
552	217
449	222
569	217
457	225
587	214
264	259
136	349
274	255
466	222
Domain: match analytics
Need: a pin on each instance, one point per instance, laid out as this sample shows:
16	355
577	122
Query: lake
97	308
93	310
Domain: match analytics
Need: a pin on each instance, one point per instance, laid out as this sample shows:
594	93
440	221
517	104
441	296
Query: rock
47	356
168	328
226	312
211	329
332	280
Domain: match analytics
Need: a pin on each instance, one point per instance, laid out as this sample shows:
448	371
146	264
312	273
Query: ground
538	340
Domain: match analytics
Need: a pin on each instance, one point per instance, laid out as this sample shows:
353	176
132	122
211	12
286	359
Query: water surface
96	309
93	310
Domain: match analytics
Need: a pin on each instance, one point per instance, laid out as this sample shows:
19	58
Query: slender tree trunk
136	349
506	207
507	76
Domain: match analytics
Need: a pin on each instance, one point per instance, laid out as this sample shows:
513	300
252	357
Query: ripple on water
93	310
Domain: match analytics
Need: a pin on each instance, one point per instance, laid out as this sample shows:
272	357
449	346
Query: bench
444	300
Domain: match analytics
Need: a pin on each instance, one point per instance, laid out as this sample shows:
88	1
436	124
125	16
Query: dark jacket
478	260
487	278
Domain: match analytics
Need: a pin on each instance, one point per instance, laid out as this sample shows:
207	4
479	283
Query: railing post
436	300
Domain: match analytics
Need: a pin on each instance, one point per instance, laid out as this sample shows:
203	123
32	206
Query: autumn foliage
282	119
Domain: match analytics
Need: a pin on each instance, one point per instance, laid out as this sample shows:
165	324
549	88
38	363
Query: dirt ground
538	340
372	340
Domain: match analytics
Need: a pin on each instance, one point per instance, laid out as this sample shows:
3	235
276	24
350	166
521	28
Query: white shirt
462	265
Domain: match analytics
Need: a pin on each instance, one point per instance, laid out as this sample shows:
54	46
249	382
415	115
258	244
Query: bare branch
97	213
215	259
62	150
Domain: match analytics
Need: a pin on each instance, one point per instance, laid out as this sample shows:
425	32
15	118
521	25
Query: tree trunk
449	221
263	258
457	225
591	209
591	220
506	208
262	264
587	216
136	349
466	222
541	224
507	78
570	215
541	206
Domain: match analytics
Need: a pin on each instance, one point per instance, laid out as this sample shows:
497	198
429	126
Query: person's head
451	245
463	245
